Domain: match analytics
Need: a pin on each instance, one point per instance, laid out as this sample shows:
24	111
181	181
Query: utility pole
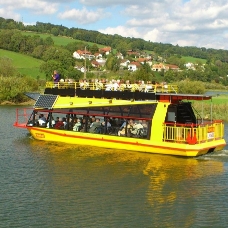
85	64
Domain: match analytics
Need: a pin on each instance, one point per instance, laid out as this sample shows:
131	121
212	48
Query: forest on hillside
60	57
118	42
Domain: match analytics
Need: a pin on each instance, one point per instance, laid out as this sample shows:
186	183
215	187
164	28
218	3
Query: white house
133	66
124	62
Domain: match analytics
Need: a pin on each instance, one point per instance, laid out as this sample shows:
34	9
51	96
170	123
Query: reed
219	109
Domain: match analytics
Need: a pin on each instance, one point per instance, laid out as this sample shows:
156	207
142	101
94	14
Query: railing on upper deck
193	133
149	88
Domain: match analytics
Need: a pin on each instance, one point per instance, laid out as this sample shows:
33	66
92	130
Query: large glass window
123	121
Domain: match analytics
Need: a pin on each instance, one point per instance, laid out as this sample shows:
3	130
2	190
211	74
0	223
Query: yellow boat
155	121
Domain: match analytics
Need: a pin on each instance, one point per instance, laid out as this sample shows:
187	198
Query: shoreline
26	103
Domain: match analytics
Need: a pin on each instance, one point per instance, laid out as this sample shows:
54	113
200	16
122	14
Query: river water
57	185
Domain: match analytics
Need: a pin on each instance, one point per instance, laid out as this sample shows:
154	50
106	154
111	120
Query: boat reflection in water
171	191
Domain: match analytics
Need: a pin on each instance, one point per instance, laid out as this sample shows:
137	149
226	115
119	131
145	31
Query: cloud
122	30
108	3
8	13
183	22
37	7
83	16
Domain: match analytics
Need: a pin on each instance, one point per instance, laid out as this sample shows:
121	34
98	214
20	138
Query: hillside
58	40
26	65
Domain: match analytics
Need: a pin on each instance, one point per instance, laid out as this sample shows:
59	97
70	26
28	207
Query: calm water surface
56	185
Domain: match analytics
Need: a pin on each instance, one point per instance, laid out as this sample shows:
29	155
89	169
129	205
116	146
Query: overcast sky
200	23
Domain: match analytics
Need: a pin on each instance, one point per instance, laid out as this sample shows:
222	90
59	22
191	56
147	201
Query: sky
199	23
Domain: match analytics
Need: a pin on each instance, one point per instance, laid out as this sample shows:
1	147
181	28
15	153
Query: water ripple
57	185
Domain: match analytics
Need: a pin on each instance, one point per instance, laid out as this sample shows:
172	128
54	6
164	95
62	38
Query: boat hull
126	143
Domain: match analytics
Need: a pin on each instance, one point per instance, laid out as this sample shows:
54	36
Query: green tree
48	41
94	48
112	63
38	51
49	66
6	67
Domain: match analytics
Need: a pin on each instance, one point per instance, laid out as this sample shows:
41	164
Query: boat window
171	114
124	121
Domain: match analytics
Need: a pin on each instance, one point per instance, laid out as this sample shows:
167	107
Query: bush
13	88
191	87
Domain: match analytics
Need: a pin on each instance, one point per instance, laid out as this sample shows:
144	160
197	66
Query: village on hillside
98	60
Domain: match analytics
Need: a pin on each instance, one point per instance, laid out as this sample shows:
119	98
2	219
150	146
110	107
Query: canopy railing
193	133
84	85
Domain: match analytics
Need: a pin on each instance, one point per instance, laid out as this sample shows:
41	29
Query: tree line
118	42
60	57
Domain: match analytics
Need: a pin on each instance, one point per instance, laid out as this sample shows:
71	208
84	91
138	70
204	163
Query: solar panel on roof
46	101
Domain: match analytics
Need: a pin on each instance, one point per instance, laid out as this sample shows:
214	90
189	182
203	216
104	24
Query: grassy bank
24	64
219	106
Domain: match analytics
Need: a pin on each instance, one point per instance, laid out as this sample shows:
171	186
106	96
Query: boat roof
58	102
49	101
179	97
72	95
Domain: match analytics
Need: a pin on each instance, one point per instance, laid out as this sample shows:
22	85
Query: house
95	64
119	55
190	66
82	54
173	67
80	68
98	55
105	50
133	66
159	67
142	60
124	62
133	53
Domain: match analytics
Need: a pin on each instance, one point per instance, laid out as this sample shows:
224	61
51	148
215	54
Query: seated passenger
69	125
83	127
64	122
108	86
77	126
42	120
126	130
136	128
108	126
142	86
59	124
95	127
52	123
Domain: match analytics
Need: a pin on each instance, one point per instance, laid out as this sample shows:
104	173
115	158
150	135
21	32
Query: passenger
59	124
77	125
126	130
145	124
83	127
115	85
108	86
98	84
91	121
42	120
165	87
57	120
142	86
137	128
69	125
52	123
113	122
64	122
123	124
95	127
108	127
56	78
128	85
